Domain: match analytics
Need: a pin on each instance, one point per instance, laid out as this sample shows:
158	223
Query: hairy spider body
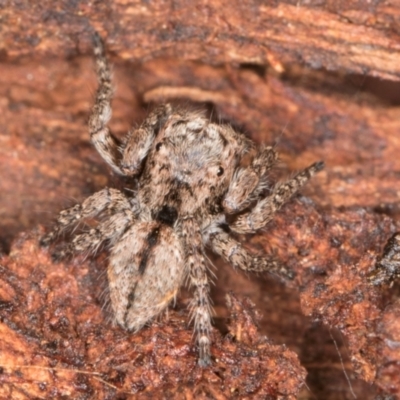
190	174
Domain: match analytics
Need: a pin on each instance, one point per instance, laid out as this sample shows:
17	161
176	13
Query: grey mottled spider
190	175
387	268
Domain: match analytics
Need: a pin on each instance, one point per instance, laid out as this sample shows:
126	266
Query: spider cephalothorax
190	175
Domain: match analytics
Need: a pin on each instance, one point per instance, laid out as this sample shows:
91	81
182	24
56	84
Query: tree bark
319	79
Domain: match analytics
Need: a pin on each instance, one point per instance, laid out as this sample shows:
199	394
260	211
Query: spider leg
125	158
103	200
264	210
103	140
111	229
223	244
197	272
247	182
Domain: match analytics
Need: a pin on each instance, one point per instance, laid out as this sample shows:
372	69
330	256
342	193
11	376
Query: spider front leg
265	209
197	271
103	140
101	201
223	244
126	157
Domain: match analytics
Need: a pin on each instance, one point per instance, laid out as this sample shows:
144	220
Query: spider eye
220	171
158	146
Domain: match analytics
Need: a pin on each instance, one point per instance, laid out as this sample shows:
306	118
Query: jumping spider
197	182
387	268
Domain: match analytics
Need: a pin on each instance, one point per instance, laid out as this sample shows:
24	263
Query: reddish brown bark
56	341
263	66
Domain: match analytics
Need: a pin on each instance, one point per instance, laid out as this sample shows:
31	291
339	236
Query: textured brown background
321	78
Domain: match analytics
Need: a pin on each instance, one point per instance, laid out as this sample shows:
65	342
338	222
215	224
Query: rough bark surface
299	73
56	343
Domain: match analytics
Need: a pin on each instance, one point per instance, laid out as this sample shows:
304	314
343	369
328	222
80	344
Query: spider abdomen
145	272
